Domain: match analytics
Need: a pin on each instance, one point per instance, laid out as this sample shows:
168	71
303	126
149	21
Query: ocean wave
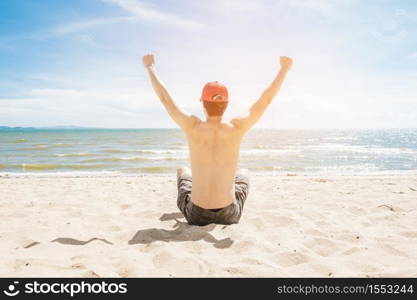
133	158
38	147
154	169
63	145
355	167
115	151
58	166
73	154
64	174
167	157
162	151
359	149
268	151
341	138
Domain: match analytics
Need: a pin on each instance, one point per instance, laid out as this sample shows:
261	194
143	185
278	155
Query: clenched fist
286	62
148	60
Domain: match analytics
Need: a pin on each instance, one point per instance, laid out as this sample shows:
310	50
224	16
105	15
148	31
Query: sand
307	226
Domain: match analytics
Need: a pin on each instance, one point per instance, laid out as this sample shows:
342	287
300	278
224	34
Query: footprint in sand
322	223
393	251
409	234
322	270
322	180
351	251
79	257
287	259
315	232
362	269
21	264
90	274
257	222
170	263
321	246
281	221
125	206
77	266
348	237
252	261
114	228
357	211
241	246
125	269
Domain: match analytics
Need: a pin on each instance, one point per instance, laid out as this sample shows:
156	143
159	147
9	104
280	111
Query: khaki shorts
196	215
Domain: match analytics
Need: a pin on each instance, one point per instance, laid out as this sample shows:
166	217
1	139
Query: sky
79	62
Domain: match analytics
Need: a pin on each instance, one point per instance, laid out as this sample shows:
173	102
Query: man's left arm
183	119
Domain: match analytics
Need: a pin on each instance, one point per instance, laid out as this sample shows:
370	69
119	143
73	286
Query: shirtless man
216	192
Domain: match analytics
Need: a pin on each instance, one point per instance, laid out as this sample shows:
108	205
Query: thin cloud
137	10
233	6
322	7
151	14
64	29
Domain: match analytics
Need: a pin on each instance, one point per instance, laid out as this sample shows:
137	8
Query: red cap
214	91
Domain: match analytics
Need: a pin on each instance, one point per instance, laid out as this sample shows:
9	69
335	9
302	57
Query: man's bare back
214	153
214	144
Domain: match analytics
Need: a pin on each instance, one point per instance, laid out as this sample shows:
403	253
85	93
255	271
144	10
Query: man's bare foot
244	172
183	170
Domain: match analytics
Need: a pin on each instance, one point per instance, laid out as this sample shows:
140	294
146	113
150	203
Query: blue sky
79	62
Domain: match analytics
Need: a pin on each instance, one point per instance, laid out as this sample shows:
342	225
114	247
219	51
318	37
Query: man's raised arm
258	108
183	119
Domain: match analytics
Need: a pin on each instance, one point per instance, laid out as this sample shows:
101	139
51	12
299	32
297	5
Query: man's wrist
284	69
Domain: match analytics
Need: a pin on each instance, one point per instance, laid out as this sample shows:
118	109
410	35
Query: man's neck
216	119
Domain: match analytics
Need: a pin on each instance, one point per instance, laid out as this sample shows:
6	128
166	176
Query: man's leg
184	184
241	186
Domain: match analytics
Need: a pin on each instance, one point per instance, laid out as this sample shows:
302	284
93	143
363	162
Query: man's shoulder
236	125
192	123
228	125
195	118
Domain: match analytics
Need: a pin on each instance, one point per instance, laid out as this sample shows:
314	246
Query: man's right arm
258	108
183	119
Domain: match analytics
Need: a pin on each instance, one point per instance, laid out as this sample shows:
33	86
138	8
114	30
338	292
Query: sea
161	151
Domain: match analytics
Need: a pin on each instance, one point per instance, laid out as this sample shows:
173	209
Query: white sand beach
128	226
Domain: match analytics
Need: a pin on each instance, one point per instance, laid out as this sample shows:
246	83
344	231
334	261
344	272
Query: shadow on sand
183	232
71	241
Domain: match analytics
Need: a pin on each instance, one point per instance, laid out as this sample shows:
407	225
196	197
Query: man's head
215	99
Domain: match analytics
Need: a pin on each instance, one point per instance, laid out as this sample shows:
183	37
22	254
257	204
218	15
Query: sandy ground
130	226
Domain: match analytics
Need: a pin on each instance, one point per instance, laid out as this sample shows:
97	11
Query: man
215	193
